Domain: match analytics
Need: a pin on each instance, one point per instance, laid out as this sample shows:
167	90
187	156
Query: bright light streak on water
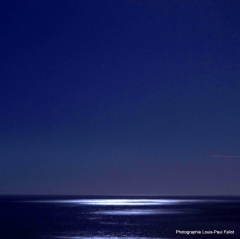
126	202
116	218
137	212
118	202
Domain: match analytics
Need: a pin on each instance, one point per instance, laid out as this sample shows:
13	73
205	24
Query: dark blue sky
120	97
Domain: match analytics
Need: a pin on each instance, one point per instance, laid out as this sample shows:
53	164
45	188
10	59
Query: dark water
119	217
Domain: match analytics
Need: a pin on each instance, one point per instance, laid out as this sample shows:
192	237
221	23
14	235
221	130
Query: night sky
120	97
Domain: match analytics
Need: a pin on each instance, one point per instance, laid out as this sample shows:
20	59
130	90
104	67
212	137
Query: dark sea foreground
26	217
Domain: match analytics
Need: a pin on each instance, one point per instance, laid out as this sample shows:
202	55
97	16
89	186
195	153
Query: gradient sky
120	97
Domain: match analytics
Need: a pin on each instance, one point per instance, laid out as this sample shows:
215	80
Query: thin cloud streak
226	156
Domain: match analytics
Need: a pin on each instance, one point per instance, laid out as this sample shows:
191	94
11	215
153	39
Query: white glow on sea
138	212
116	202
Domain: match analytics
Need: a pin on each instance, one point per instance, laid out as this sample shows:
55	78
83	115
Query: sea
105	217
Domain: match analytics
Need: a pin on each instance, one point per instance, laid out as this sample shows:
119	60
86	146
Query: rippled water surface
119	217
